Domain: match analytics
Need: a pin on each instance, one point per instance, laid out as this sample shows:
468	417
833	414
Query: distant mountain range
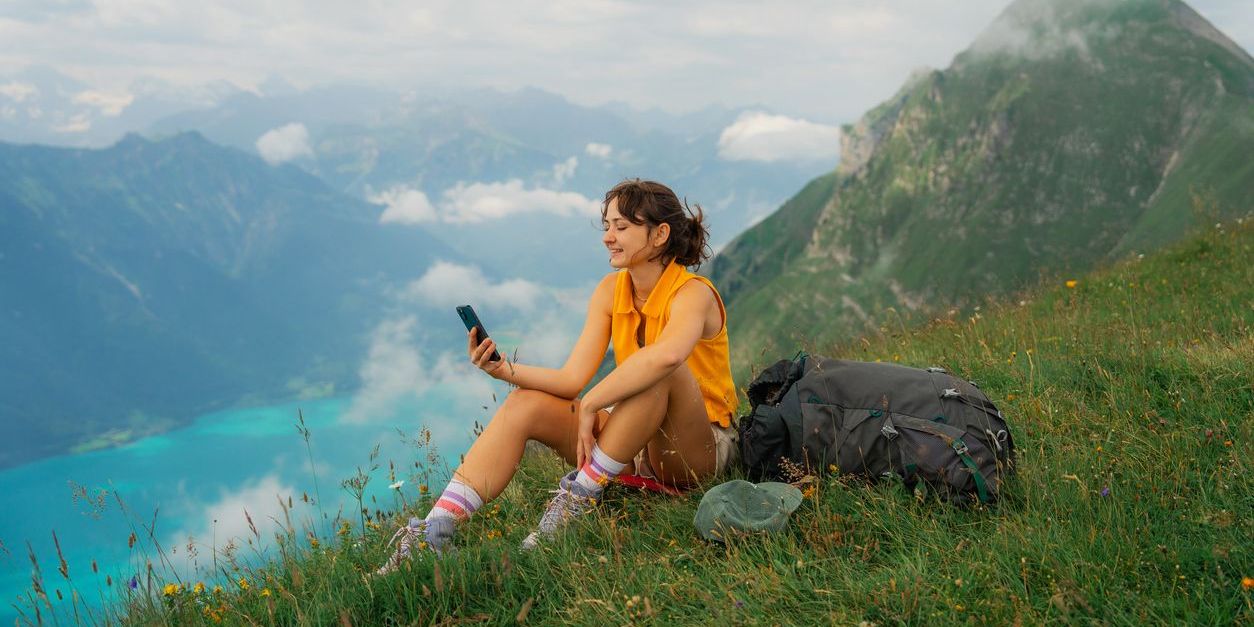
366	142
1070	133
150	281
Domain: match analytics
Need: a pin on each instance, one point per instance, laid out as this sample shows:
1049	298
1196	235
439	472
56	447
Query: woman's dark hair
652	203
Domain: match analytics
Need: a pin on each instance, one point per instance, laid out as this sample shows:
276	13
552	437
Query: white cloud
600	151
392	369
77	124
564	170
825	60
18	92
478	202
259	497
447	284
110	104
395	370
405	206
759	136
284	143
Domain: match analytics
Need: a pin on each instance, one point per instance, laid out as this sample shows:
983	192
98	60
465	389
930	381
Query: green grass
1131	396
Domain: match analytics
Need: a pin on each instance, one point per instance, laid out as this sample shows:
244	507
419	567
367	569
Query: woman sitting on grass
671	391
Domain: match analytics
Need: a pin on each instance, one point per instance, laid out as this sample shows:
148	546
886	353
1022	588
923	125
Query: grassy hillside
1131	396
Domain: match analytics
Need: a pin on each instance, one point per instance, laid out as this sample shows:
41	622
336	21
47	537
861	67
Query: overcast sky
827	61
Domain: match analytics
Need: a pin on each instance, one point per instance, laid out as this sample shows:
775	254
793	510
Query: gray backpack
874	419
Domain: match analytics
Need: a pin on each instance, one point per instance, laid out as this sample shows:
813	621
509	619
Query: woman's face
627	243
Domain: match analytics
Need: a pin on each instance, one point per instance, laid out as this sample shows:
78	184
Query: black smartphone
468	316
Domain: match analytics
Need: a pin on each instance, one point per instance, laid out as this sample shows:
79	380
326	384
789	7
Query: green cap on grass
740	506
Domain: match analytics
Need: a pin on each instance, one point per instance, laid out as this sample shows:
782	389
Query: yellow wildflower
243	583
217	589
1071	283
313	542
265	592
199	588
171	589
1247	583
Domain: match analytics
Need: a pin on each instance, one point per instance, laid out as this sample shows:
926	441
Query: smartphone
468	316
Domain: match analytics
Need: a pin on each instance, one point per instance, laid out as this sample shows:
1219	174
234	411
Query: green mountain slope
150	281
1069	133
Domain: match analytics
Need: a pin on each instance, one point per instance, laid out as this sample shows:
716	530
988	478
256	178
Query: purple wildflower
739	604
134	583
1106	491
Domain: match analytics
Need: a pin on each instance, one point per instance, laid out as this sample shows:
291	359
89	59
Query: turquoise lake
222	464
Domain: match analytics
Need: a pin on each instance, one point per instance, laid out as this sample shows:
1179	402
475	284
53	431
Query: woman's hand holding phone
481	353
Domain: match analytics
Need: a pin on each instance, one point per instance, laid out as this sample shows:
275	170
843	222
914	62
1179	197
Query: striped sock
458	501
598	471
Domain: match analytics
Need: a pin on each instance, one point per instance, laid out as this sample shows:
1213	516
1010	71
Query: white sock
598	471
458	501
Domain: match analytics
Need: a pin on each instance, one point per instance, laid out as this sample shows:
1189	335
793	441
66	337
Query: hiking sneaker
433	535
569	500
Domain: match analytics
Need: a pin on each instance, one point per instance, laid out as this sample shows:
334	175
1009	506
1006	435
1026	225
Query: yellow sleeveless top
709	362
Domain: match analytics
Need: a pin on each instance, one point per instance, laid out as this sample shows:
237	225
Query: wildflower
1071	283
739	604
217	589
1010	397
171	589
1247	583
397	485
422	488
134	582
243	583
313	542
1105	491
832	468
265	592
199	588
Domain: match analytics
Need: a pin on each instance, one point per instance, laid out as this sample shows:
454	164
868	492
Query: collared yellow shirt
709	361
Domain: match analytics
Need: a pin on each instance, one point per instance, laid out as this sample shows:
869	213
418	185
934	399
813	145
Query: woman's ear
661	233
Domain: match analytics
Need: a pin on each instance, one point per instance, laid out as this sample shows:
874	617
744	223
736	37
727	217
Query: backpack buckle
950	393
959	446
889	431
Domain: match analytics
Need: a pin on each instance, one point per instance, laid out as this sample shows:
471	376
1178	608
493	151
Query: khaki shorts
726	451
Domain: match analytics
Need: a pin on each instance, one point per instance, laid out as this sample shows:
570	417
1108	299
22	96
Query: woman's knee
522	408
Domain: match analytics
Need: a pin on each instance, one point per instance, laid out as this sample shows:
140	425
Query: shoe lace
563	505
406	534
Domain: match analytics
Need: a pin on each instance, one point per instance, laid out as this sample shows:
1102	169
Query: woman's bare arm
584	359
652	363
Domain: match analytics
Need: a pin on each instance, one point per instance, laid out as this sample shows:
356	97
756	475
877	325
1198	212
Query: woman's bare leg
670	419
493	459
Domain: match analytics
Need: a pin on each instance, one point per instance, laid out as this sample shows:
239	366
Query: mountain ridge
977	178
